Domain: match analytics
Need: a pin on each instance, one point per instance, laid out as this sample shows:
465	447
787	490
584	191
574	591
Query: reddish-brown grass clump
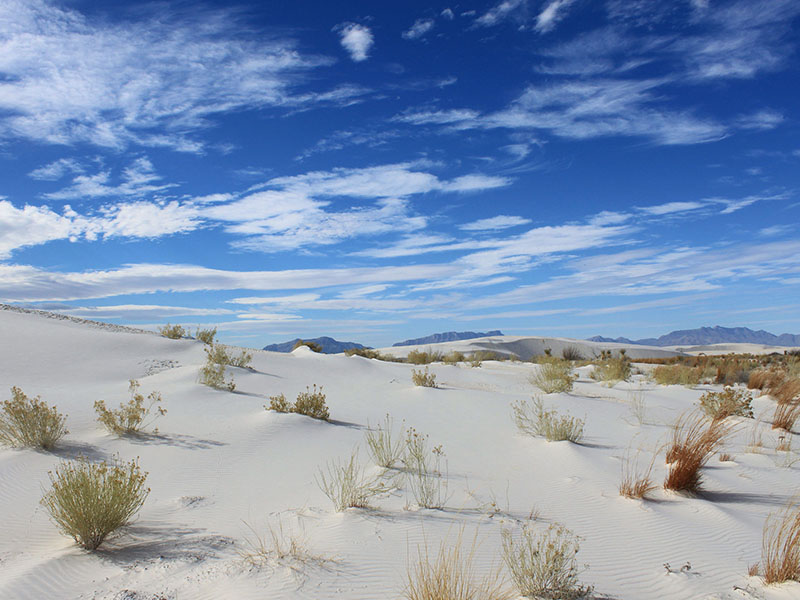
780	545
786	415
694	440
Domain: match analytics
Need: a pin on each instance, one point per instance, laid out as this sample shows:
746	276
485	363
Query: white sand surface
221	461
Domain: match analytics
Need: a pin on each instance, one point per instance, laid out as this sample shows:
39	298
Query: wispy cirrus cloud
138	179
551	14
419	29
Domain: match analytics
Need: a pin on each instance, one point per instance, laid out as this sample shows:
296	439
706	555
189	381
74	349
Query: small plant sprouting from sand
427	482
531	418
310	403
636	480
30	422
729	402
347	484
130	417
544	565
694	439
638	405
279	547
451	575
89	501
384	447
206	335
173	332
423	378
553	376
780	546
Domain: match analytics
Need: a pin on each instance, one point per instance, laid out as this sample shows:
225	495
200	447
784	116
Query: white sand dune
221	460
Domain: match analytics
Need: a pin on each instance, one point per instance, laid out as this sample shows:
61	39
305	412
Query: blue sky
375	171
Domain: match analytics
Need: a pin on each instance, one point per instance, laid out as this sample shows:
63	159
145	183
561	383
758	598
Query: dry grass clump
30	422
423	378
371	353
765	379
786	415
611	369
383	446
732	370
279	547
572	353
780	546
428	484
450	575
206	335
553	376
130	418
173	332
729	402
313	346
544	566
453	357
89	501
218	354
532	418
636	481
347	485
787	391
419	357
677	375
694	440
310	403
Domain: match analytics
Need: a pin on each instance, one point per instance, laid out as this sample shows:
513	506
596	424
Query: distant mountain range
328	344
447	336
710	335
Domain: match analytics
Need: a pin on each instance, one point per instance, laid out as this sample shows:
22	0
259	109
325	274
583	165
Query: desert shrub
423	378
454	357
89	501
206	335
347	485
677	375
30	422
786	415
553	376
313	346
532	418
419	357
694	440
130	417
219	355
786	391
384	447
611	369
366	353
730	401
427	483
571	353
545	566
279	404
450	575
173	332
636	481
213	375
312	404
780	545
733	370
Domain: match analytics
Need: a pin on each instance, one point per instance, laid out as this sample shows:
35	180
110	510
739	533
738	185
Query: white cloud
73	79
141	311
56	169
438	117
356	39
761	120
494	223
418	29
501	12
448	14
138	179
670	208
551	15
30	226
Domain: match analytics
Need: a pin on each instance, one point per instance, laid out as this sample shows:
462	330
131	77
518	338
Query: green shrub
532	419
544	566
313	346
26	422
130	417
423	378
728	402
173	332
89	501
553	376
677	375
206	335
312	404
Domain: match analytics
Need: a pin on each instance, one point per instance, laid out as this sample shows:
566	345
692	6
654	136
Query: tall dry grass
694	440
780	545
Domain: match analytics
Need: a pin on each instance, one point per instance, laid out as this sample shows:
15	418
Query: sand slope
221	460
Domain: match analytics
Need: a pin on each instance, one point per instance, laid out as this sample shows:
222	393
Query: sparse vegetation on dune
695	438
636	480
132	416
611	369
90	501
423	378
423	357
572	353
786	415
427	483
531	418
206	335
30	422
310	403
370	353
729	402
173	332
677	375
347	485
313	346
780	546
553	376
384	447
212	373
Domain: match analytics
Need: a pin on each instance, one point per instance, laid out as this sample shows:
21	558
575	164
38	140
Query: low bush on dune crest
347	485
544	566
371	353
453	358
219	354
780	546
451	575
532	418
30	422
173	332
206	335
694	440
420	357
313	346
310	403
729	402
131	417
89	501
553	376
423	378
